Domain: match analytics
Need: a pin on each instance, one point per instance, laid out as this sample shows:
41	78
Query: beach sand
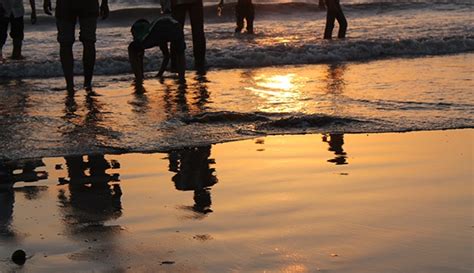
395	202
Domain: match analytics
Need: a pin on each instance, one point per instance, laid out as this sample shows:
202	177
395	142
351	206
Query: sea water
286	33
405	66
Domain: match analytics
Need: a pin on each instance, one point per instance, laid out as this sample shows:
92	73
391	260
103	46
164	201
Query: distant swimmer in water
159	33
11	13
244	10
334	11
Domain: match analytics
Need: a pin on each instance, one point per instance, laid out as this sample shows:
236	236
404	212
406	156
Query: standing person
67	14
334	11
243	10
11	13
179	8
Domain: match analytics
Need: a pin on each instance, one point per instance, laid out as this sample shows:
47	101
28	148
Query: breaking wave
269	55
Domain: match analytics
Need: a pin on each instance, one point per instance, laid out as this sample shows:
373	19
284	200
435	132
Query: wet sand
310	203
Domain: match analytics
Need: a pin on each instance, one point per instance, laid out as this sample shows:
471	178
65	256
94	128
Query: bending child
159	33
11	13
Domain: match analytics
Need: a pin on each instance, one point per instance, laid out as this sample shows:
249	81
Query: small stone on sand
19	257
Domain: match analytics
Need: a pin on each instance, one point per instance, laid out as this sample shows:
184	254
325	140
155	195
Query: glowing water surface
315	203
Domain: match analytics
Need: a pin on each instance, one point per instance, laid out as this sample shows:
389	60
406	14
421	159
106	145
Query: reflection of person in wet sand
193	173
336	141
9	175
7	199
92	199
186	98
335	78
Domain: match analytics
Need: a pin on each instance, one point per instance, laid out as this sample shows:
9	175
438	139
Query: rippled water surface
38	119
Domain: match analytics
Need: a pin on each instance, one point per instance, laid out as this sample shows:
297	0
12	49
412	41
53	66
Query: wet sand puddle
313	203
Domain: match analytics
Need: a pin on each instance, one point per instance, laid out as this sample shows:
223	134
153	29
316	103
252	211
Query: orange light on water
281	93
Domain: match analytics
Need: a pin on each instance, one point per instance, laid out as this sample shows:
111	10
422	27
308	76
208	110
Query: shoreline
202	144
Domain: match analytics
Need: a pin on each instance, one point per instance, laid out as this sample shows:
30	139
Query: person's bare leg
87	35
196	14
181	62
88	60
135	56
179	14
341	19
330	19
67	63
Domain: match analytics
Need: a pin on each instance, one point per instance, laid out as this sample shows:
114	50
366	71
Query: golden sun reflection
280	93
283	82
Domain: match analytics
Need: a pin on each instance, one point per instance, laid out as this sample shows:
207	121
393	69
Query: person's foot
250	31
201	69
90	91
16	53
17	57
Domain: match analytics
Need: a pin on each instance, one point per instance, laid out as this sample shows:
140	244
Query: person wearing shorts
68	13
11	13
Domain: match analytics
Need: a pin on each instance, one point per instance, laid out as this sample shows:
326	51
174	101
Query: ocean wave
226	116
308	121
268	8
263	55
274	122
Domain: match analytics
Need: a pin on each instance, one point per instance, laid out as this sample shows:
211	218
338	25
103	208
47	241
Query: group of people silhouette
167	29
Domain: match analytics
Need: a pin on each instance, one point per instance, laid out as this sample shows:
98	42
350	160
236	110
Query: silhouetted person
336	141
179	9
68	12
11	13
334	12
244	10
193	173
335	79
159	33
